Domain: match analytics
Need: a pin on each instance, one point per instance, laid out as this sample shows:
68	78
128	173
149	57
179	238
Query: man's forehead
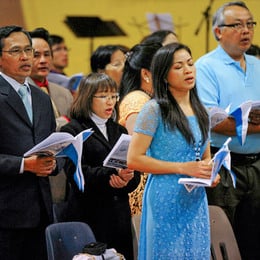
17	39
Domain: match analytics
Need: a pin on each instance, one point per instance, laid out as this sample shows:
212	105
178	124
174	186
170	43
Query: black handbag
95	248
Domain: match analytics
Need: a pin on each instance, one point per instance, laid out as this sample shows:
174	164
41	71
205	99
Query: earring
147	79
166	84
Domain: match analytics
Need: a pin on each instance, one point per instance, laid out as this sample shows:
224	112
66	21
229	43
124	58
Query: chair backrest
136	233
66	239
223	242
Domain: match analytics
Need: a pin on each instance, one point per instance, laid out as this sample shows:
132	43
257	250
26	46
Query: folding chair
136	232
66	239
223	242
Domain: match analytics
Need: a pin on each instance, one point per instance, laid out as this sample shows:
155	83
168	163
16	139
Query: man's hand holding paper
254	116
40	165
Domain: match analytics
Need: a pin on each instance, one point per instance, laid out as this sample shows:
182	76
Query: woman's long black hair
172	114
139	57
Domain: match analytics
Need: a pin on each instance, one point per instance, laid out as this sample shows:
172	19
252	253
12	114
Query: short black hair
41	33
157	36
5	31
102	56
55	39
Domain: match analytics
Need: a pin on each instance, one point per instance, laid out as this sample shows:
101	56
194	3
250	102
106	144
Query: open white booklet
70	83
64	144
217	115
221	157
118	155
57	141
240	115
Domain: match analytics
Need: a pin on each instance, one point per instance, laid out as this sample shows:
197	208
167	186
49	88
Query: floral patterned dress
175	222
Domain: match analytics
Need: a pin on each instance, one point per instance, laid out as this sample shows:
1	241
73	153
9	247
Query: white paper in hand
222	157
117	157
65	144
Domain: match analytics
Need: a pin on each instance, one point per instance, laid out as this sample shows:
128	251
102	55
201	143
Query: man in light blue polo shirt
228	77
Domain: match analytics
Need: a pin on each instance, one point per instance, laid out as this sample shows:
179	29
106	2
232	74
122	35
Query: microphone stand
206	17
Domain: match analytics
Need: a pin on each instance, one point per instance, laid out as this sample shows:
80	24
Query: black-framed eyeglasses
240	26
106	98
18	51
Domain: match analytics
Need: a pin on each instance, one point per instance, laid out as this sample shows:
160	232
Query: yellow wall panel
131	17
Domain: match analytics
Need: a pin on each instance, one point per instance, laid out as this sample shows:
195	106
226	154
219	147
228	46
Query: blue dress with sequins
175	222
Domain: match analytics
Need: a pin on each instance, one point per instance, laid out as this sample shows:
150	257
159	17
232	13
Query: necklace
197	149
147	93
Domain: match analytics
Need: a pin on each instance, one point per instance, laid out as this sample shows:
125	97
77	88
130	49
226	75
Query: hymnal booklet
221	157
64	144
57	141
240	114
117	157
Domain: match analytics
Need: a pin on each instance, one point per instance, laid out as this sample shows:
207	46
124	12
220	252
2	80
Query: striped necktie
24	94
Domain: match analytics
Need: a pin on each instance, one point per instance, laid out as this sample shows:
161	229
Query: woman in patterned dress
170	141
135	90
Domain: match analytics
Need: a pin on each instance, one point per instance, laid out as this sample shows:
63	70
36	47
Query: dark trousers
241	204
18	244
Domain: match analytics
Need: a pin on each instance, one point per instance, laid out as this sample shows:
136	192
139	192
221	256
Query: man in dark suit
25	197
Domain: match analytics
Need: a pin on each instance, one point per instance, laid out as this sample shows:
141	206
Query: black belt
238	158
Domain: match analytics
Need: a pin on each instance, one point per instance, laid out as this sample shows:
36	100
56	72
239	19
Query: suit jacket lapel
13	100
37	105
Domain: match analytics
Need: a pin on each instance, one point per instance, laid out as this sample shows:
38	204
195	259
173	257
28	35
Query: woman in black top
104	204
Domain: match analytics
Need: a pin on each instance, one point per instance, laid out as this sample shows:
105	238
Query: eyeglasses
60	49
18	51
106	98
240	26
115	65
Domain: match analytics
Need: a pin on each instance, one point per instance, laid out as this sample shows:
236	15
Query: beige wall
187	15
11	12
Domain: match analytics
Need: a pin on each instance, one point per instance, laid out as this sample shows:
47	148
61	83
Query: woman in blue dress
170	141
